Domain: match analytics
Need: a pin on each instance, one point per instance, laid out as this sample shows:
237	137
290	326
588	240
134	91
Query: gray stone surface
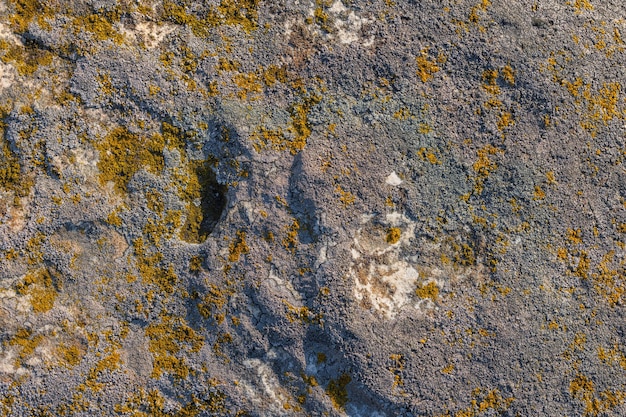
361	208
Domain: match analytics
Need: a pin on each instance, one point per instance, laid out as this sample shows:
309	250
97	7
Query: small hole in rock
202	218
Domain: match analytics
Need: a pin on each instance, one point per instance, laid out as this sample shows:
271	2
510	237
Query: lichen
337	391
429	290
26	59
27	342
238	247
426	67
242	13
100	26
393	235
167	340
41	289
123	154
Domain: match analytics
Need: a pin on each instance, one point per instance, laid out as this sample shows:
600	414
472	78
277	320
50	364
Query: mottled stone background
312	208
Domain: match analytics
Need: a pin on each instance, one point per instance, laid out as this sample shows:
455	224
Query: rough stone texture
361	208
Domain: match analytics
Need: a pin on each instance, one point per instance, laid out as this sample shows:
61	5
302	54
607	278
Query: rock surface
268	208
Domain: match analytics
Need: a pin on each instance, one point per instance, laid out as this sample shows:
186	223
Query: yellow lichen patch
25	59
508	74
426	67
114	219
300	126
612	356
241	13
424	128
214	302
106	85
290	241
195	263
296	135
582	388
601	107
346	197
393	235
322	18
302	314
264	138
429	290
574	236
154	201
483	403
448	369
70	354
428	155
595	108
607	281
584	263
480	7
26	342
151	270
24	11
273	74
573	87
153	404
238	247
11	175
402	114
110	362
539	194
399	363
248	83
99	26
40	287
490	78
123	153
484	166
580	5
167	340
505	120
338	392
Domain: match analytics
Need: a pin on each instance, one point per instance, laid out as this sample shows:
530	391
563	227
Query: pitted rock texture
312	208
